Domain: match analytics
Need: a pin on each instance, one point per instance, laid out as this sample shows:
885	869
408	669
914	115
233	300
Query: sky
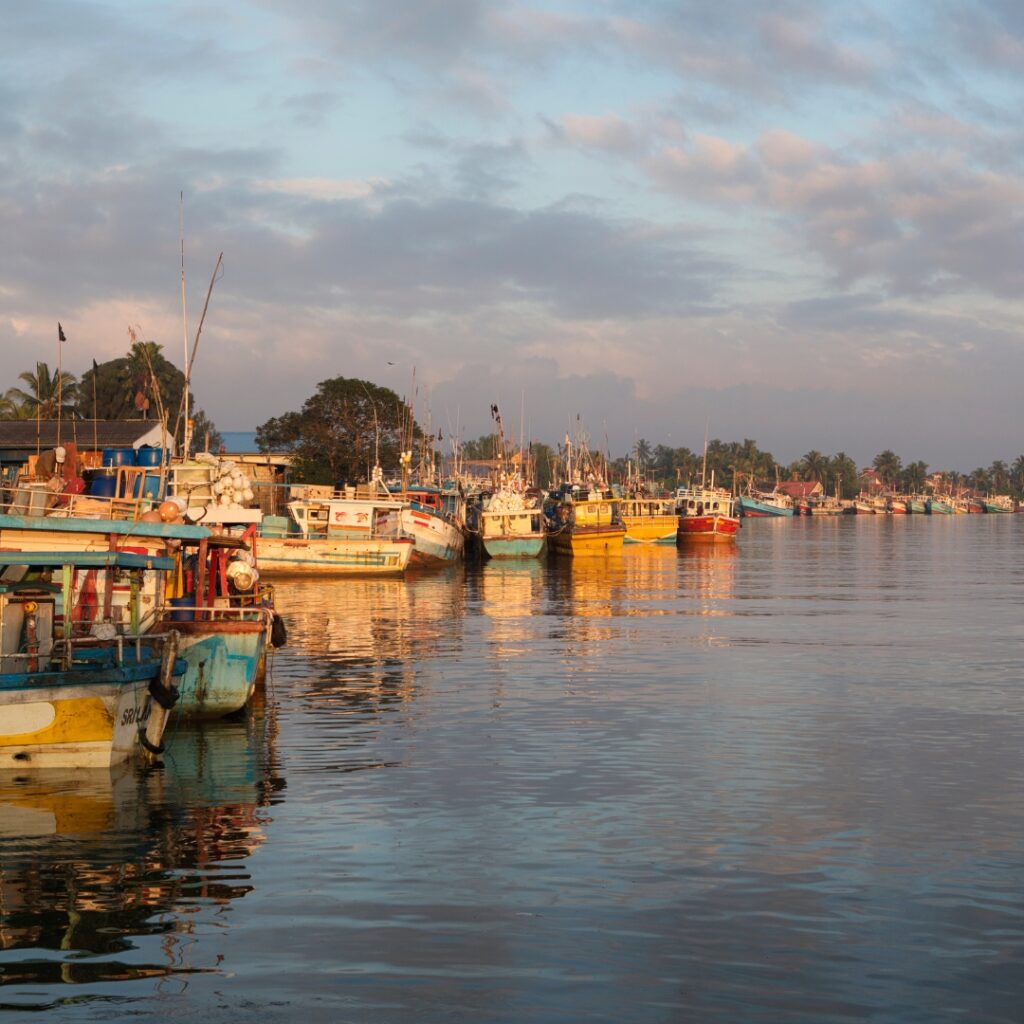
794	221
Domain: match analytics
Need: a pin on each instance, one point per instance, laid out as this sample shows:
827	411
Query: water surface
780	782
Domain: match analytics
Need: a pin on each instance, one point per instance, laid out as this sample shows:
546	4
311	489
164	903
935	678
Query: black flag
60	332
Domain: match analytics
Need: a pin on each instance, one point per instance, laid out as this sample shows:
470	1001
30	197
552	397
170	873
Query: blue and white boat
78	693
225	620
763	505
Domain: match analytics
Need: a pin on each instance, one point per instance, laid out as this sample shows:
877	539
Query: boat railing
65	648
216	613
37	498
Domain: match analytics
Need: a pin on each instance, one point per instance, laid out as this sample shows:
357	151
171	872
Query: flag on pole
60	332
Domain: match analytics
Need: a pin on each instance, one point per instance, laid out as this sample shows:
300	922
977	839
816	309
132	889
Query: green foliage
125	388
340	431
43	393
486	447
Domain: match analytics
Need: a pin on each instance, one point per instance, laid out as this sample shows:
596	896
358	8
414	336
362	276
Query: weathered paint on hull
74	725
515	547
753	509
650	529
588	541
223	659
325	557
437	541
707	529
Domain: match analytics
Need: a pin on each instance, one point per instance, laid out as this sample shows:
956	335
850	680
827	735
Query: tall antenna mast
704	464
187	441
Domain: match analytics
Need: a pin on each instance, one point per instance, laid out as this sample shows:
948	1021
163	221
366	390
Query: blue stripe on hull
221	672
518	547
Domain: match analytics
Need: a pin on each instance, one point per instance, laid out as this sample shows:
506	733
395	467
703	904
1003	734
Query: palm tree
45	391
814	465
914	476
888	465
1018	473
1000	476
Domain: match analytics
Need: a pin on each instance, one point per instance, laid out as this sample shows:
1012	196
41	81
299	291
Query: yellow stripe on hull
650	529
94	731
603	542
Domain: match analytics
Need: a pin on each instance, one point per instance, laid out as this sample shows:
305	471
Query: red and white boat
706	514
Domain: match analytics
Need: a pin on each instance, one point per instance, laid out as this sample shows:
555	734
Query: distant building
797	489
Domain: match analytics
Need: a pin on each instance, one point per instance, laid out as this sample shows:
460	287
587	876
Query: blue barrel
113	457
103	485
188	615
146	456
151	486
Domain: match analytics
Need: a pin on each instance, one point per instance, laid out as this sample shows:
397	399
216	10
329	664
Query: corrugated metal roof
27	435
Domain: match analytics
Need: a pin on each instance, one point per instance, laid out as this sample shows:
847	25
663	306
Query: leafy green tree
980	480
814	466
1017	474
127	388
340	431
999	474
543	457
44	391
888	466
914	476
11	408
844	475
487	446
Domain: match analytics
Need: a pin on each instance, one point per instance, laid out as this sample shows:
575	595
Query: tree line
350	425
135	386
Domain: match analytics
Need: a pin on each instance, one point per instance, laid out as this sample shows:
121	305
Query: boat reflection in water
708	575
107	875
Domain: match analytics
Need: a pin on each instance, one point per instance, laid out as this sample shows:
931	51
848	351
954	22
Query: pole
187	438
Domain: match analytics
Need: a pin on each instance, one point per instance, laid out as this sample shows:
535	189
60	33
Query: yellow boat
649	520
586	526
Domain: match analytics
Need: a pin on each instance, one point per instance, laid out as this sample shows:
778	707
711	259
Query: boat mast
187	440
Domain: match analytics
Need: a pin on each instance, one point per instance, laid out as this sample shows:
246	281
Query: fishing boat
435	521
511	523
334	536
864	506
584	522
998	503
79	692
899	505
649	520
225	620
763	504
706	514
939	506
917	505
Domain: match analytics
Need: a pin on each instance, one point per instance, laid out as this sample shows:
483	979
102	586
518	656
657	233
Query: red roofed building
797	489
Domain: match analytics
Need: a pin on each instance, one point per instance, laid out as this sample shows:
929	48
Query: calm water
781	783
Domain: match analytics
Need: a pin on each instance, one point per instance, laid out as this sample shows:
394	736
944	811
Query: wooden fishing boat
649	520
998	503
706	515
334	537
762	505
937	506
511	525
74	692
225	620
582	523
435	521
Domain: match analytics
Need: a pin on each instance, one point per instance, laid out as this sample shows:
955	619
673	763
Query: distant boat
649	520
764	504
917	505
584	523
706	515
434	519
939	506
511	524
998	503
332	536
